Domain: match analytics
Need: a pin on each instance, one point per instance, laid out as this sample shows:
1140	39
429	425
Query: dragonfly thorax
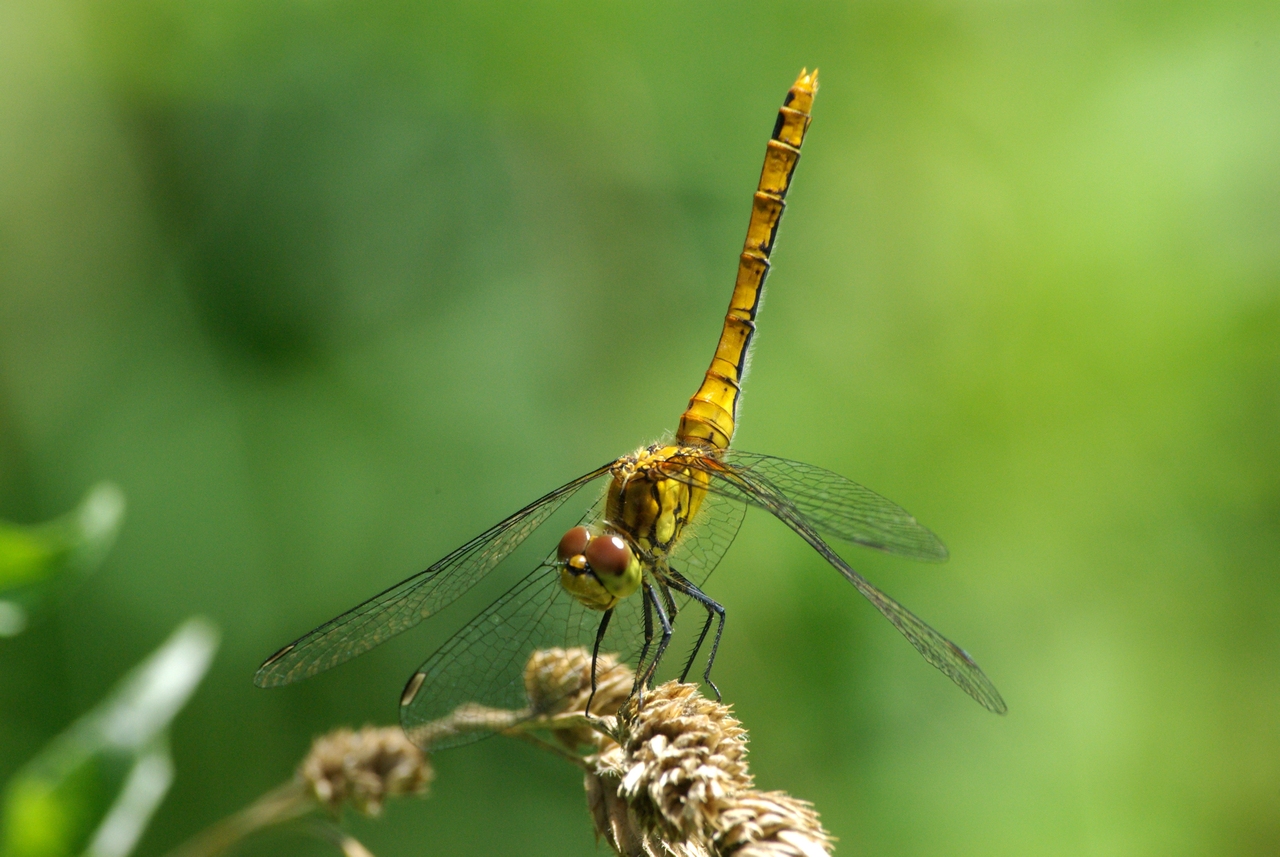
655	493
598	569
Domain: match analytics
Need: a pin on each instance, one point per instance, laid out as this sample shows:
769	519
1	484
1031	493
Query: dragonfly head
598	569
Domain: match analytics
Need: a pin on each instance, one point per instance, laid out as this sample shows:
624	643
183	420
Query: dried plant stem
551	747
346	843
286	803
343	768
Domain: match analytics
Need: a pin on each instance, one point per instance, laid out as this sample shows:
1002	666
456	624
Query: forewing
952	660
404	605
834	505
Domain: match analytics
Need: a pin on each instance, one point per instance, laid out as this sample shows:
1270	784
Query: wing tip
988	697
938	550
269	678
993	702
977	685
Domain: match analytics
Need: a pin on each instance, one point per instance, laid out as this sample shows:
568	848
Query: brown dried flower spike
676	782
364	768
683	758
558	681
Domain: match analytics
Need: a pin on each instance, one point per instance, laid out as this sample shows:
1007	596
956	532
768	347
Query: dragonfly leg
666	633
595	656
714	610
648	641
670	601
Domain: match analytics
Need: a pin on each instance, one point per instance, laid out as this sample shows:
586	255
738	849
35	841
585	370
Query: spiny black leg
706	626
714	609
681	584
595	656
670	600
644	650
666	633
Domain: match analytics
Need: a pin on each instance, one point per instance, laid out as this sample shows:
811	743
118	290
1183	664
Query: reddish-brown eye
608	555
573	543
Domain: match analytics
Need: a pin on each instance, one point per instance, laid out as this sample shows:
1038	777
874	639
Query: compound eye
608	555
573	543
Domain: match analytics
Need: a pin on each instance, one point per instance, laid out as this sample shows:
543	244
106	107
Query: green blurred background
329	287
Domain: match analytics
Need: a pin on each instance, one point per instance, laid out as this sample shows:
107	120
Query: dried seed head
364	768
558	681
614	821
771	824
678	784
685	759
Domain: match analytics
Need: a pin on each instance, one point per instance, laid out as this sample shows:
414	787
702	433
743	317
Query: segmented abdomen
709	419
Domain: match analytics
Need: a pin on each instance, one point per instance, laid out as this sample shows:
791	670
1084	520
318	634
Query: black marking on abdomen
777	126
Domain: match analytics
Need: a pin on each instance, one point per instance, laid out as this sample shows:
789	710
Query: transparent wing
707	537
473	686
839	507
409	602
749	484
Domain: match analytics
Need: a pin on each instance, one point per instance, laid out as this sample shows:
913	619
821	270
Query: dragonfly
645	547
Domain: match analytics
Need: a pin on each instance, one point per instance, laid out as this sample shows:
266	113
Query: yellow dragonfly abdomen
709	419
